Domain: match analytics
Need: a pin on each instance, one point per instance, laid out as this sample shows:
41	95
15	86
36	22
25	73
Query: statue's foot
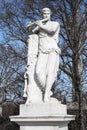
47	96
46	99
28	101
50	99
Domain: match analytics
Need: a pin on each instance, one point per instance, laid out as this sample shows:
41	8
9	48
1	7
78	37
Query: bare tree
11	71
72	15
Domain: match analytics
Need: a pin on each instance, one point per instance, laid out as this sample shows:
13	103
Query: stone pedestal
43	116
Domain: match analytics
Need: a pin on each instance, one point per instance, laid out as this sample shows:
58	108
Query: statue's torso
48	41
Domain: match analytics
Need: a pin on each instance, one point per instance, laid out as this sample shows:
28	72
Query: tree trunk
77	77
77	68
77	88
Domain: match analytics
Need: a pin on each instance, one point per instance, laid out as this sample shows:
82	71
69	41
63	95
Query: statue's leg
51	74
41	69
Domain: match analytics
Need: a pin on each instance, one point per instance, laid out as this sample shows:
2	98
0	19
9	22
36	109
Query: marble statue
43	58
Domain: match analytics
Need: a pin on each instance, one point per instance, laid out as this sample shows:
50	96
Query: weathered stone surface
43	109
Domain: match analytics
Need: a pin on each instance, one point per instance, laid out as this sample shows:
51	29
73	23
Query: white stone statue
43	59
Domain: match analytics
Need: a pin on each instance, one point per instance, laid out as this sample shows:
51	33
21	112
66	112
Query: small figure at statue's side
47	61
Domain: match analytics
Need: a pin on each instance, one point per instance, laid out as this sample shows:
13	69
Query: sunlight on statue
43	58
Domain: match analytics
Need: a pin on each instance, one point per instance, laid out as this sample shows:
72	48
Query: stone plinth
43	116
43	109
43	122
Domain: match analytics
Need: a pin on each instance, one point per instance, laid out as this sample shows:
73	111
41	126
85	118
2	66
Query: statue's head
46	13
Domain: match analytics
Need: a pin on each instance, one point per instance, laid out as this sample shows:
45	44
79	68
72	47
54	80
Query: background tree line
72	76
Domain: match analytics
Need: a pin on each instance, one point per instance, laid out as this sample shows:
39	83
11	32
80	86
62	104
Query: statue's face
46	14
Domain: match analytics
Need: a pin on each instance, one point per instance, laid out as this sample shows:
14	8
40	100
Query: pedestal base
43	123
43	116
